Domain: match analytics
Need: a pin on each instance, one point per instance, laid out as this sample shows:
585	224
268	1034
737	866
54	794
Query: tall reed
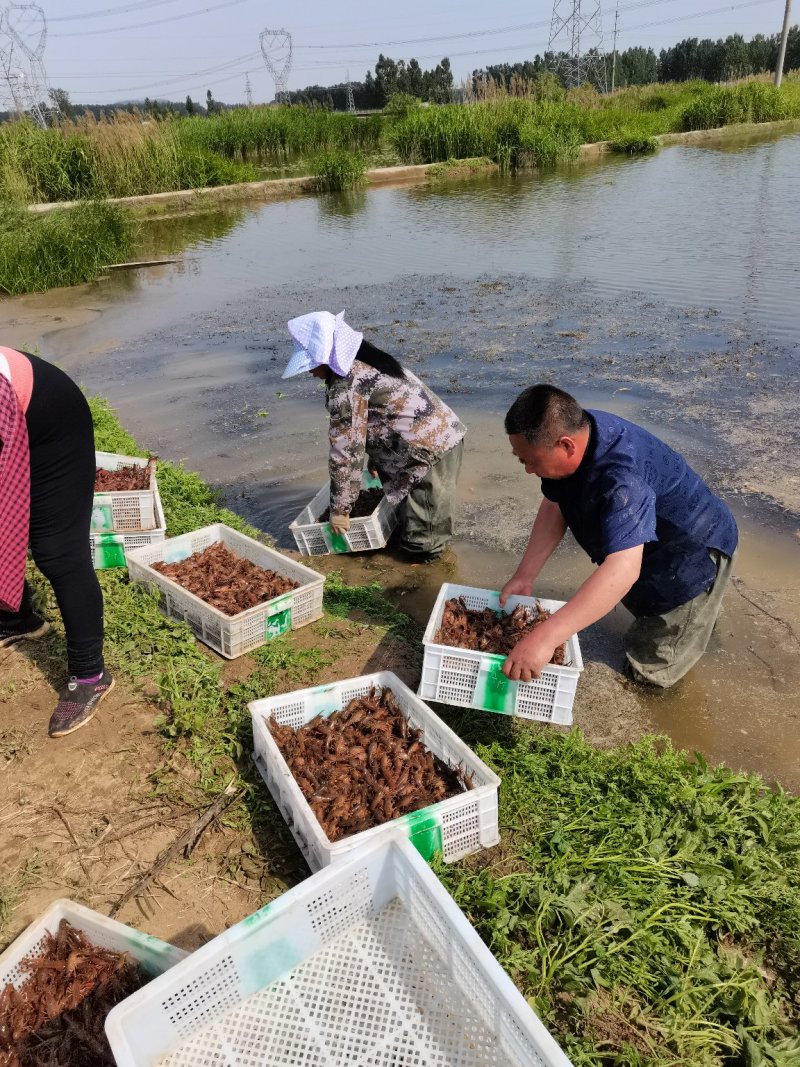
39	252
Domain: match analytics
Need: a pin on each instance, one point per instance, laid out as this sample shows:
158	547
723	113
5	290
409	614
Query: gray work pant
427	515
662	648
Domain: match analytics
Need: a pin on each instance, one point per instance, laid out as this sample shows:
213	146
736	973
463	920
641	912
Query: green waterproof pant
427	515
662	648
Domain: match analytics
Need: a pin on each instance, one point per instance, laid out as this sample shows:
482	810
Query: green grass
337	170
39	252
635	146
646	905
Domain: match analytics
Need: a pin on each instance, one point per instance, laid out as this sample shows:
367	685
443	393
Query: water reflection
166	236
343	205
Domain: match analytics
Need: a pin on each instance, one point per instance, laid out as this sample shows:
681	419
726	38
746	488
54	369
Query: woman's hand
340	524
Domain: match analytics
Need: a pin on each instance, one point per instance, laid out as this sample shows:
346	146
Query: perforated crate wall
470	679
230	635
368	963
120	511
154	956
455	827
109	549
314	538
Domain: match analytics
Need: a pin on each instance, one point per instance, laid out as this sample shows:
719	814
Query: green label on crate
494	692
425	832
102	517
368	482
338	542
279	616
109	551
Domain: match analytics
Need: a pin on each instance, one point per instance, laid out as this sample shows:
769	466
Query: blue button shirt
631	489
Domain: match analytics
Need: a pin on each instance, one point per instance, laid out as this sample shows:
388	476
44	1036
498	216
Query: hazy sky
169	59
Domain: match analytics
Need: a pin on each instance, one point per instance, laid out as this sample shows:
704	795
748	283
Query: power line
155	22
110	11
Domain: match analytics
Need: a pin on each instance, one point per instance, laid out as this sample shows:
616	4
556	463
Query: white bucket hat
322	339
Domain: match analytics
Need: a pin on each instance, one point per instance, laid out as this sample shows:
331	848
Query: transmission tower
23	82
248	91
576	43
351	100
276	48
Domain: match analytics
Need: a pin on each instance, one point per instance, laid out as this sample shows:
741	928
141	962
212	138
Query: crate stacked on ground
315	538
49	992
368	963
230	635
124	519
455	827
475	679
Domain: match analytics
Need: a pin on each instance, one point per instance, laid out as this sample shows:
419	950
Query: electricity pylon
576	43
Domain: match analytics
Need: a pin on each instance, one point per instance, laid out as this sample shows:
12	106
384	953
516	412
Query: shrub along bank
647	905
127	156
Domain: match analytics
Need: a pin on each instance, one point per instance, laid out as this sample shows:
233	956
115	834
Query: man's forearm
598	595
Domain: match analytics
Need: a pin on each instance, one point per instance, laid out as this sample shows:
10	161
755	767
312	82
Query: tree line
713	61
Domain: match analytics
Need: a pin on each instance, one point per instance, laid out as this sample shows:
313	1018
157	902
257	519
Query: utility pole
782	49
614	60
248	91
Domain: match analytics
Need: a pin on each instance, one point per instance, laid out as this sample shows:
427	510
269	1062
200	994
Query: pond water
665	288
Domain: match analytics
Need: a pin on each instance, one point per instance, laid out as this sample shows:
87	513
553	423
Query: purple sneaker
77	703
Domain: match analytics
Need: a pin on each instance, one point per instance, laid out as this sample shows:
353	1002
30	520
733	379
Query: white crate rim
79	916
450	591
527	1021
101	458
384	679
314	577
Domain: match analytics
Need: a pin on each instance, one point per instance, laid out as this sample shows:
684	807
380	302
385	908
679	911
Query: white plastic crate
476	680
368	963
154	956
134	509
455	827
316	538
230	635
108	549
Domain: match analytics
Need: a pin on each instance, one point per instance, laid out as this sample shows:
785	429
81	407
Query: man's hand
515	586
530	655
340	524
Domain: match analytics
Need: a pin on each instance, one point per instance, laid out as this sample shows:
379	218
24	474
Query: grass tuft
338	170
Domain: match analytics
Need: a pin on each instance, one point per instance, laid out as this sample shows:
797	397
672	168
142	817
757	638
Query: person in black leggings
62	467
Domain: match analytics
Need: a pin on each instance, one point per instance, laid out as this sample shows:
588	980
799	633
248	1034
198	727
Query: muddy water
665	289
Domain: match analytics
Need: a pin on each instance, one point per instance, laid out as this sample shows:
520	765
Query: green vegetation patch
39	252
647	906
635	146
337	170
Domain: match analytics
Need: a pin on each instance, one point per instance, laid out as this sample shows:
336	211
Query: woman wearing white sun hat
384	413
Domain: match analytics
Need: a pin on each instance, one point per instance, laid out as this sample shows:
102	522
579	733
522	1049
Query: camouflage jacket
398	423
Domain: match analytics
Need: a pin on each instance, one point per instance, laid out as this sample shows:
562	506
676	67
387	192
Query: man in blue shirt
662	540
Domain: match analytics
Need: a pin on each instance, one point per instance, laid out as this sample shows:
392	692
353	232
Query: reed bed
63	247
529	124
277	134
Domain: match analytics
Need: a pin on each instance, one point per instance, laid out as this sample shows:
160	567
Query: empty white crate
366	964
108	549
455	827
475	679
130	510
230	635
315	538
154	956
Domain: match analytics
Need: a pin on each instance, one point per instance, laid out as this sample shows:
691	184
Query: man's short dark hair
543	413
